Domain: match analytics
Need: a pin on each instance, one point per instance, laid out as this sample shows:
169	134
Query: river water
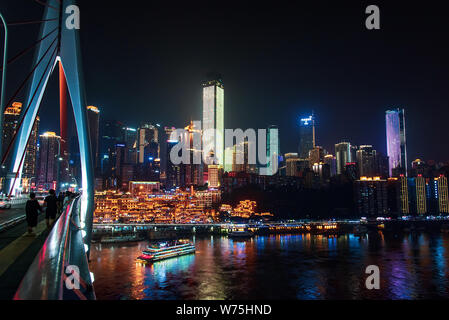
279	267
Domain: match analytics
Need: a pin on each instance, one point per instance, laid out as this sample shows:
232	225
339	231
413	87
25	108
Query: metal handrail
46	277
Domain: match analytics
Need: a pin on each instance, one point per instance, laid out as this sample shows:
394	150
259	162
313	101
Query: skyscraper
291	160
343	155
273	152
93	121
366	161
371	197
11	121
306	136
396	141
49	148
316	155
441	193
130	140
29	165
331	161
148	135
213	118
172	171
192	173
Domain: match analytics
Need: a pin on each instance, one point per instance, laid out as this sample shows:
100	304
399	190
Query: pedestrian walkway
17	252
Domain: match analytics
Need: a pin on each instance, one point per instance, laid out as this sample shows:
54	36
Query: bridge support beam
66	51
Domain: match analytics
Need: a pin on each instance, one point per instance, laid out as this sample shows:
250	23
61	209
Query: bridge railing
60	271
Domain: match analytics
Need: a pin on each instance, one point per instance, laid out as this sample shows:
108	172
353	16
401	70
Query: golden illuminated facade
443	201
213	176
177	207
403	195
421	199
245	209
142	188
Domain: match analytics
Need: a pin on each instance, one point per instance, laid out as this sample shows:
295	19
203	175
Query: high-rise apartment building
371	197
441	193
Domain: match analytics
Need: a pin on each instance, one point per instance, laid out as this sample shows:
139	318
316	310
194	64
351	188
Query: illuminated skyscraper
291	167
441	194
420	195
213	176
366	161
343	155
306	136
331	161
172	171
93	124
213	119
130	140
396	141
229	159
11	120
147	140
192	173
273	152
29	165
316	155
371	197
49	148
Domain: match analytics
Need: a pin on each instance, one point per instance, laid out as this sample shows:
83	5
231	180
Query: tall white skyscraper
213	119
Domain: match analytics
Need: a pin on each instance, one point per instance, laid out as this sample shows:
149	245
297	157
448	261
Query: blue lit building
306	136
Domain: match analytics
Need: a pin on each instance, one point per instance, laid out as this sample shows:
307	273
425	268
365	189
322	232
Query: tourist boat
239	234
165	250
130	238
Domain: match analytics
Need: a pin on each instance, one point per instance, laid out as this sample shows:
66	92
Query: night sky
279	61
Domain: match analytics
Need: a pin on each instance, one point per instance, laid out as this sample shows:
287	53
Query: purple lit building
396	142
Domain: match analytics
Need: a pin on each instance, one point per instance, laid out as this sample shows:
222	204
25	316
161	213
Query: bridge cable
20	23
46	4
28	107
29	136
22	85
23	52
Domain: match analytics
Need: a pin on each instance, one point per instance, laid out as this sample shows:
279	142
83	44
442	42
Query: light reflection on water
279	267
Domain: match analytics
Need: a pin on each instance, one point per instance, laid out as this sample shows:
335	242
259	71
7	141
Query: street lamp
5	58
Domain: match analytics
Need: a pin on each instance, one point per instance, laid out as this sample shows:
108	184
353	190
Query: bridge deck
17	249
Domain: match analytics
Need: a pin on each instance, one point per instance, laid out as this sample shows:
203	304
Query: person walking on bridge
32	209
50	203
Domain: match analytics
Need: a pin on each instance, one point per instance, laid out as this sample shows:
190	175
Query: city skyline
350	107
